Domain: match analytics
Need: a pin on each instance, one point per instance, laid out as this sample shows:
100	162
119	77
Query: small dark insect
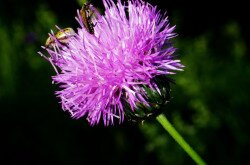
87	13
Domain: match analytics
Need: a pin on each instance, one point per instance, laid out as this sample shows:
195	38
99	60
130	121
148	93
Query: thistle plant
115	66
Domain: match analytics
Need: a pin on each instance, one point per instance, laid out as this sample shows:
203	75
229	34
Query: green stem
178	138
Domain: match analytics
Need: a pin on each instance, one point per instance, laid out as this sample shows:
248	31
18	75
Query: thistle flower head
103	73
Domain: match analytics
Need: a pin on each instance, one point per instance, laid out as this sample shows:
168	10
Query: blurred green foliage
210	101
209	105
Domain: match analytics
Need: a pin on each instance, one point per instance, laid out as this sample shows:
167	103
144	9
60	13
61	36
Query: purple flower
102	73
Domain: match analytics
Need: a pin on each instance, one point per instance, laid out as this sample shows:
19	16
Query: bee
61	36
87	13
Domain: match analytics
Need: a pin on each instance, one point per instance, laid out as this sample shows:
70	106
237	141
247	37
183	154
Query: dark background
210	99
